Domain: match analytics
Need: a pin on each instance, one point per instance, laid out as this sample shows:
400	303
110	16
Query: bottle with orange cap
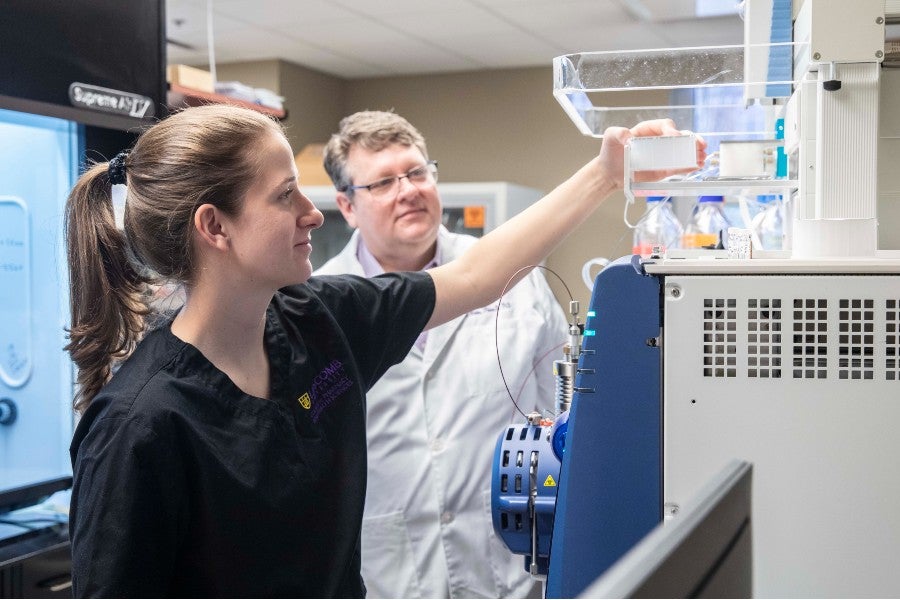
707	223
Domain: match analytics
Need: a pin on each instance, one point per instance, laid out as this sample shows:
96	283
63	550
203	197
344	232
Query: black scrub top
185	486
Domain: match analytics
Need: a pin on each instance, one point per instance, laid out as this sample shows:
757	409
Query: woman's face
271	235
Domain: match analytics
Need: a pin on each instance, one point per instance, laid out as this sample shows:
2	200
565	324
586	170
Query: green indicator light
592	313
589	332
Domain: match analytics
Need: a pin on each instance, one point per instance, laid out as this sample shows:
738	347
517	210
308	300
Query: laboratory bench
35	560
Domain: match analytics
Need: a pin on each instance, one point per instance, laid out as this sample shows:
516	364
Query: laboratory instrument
788	359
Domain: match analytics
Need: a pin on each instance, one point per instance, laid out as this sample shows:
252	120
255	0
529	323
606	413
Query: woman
226	455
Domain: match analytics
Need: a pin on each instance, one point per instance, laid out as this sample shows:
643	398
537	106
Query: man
434	419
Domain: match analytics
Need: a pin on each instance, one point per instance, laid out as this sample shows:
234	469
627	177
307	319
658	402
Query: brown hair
201	155
373	130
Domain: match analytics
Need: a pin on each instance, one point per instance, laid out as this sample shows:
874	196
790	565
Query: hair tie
116	169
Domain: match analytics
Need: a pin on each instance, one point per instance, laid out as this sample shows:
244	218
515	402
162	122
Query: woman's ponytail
107	292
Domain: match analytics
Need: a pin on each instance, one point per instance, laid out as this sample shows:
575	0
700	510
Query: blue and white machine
787	359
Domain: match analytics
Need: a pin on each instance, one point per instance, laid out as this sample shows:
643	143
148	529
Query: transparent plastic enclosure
596	89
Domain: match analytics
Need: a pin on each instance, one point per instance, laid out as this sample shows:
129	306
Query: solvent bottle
658	227
707	223
768	223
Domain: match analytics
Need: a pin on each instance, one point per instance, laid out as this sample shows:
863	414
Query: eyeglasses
388	187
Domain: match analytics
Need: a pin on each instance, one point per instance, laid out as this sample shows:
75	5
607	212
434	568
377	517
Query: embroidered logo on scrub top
330	383
304	401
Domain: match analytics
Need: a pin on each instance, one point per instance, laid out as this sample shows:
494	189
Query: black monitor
116	46
703	551
49	44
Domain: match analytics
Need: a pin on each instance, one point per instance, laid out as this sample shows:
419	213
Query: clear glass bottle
658	227
707	222
768	223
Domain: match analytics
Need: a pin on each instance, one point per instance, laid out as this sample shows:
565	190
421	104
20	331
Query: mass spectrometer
788	359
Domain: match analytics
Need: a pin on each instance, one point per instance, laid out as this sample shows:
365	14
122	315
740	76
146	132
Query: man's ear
210	228
347	209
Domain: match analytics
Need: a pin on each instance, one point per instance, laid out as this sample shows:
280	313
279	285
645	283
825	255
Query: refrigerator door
39	164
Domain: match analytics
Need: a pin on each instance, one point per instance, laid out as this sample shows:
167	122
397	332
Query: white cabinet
473	208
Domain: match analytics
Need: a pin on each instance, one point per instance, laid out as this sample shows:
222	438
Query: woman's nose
310	216
316	218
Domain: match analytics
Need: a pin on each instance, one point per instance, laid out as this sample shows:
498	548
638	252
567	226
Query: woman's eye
286	194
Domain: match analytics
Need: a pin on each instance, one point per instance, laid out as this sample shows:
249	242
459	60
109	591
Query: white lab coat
433	423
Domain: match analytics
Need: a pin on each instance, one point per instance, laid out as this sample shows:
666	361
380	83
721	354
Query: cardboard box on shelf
190	77
310	167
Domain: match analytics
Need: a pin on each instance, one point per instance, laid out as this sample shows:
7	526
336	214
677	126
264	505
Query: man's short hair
373	130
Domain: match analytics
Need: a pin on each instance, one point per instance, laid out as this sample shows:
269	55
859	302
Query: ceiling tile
513	48
351	39
536	16
338	65
187	20
444	24
390	8
302	13
717	31
665	10
633	36
184	14
253	44
548	3
389	49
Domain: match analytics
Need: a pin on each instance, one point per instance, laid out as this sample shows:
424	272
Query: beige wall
260	73
314	101
499	125
315	104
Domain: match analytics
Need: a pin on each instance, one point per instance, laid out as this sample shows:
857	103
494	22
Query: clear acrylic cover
595	88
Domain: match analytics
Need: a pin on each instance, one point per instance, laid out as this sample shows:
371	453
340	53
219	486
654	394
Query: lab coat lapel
346	260
438	339
451	247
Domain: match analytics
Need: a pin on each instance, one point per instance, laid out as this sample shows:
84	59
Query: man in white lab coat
434	419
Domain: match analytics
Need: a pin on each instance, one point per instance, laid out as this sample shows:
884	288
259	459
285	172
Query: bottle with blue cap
768	223
707	223
658	227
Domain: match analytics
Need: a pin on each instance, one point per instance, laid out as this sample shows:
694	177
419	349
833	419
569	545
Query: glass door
38	167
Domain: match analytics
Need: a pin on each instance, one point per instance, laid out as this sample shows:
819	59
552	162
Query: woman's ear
210	228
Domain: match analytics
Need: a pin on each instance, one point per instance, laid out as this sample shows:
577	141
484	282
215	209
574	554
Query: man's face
403	221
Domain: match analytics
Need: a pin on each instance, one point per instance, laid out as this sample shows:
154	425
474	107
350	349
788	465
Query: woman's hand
612	152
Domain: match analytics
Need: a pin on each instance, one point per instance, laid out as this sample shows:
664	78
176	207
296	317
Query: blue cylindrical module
512	503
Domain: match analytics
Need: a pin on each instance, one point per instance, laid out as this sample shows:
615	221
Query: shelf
181	97
715	187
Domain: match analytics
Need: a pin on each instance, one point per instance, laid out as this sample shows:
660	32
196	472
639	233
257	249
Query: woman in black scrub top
221	449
